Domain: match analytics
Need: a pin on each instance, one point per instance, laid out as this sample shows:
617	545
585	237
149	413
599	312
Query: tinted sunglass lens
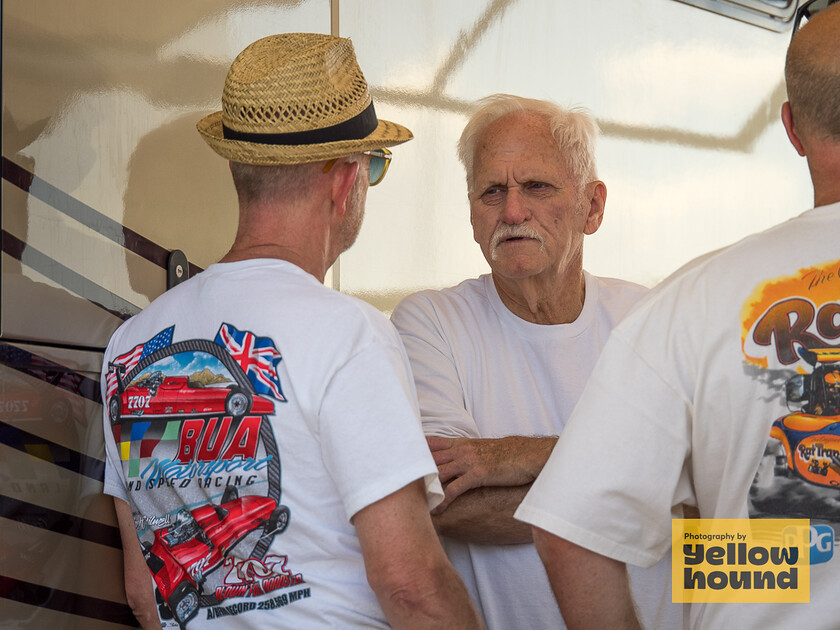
377	169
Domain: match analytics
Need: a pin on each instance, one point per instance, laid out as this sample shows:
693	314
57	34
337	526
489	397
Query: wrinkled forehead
518	145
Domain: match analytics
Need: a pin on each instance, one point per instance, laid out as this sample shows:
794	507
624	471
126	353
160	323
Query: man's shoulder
615	297
458	303
299	305
465	291
722	279
616	287
469	294
344	319
797	241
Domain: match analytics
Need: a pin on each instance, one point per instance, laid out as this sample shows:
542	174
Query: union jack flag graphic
133	357
256	355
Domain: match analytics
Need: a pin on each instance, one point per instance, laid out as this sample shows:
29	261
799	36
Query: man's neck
824	166
296	237
827	192
544	301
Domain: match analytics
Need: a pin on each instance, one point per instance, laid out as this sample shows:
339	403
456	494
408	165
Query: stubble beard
355	211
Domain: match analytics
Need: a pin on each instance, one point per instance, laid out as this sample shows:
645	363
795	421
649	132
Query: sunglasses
380	159
808	10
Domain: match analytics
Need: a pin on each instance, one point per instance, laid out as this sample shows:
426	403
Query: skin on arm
406	567
484	516
484	481
592	590
139	585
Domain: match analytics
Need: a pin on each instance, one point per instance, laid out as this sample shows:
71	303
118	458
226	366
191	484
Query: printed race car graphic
161	395
183	554
202	379
195	414
810	436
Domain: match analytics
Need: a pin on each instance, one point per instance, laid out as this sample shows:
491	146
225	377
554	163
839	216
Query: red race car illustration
197	542
810	436
161	395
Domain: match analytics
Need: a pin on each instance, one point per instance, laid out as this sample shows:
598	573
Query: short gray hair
574	130
257	183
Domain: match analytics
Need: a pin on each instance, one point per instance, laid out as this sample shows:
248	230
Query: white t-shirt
680	407
255	412
481	371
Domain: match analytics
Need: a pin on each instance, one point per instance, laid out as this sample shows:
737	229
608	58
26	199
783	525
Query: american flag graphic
256	355
133	357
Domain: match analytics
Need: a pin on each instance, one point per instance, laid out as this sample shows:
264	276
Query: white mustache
520	230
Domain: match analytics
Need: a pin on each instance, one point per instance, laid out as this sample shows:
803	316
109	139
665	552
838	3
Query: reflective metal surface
777	15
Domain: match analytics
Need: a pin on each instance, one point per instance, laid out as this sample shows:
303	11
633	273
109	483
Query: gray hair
574	130
259	184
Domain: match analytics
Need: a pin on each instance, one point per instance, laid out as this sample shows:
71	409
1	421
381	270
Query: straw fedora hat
296	98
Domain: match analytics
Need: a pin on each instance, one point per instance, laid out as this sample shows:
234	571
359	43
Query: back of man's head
290	100
257	184
575	132
812	74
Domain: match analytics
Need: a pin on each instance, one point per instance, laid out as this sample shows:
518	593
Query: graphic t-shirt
249	414
718	391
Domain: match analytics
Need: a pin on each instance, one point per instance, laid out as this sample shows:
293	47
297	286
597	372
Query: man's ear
597	196
787	121
344	176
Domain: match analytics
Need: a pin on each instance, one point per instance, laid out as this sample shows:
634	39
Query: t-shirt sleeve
440	391
371	439
114	484
620	465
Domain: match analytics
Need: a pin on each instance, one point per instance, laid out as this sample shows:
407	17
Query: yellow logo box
740	560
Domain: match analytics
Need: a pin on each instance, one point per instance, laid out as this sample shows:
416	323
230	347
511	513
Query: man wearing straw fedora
253	368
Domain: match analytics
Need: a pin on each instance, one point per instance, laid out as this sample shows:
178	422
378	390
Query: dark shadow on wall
54	51
180	195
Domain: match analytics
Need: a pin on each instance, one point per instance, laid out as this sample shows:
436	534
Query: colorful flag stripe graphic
142	438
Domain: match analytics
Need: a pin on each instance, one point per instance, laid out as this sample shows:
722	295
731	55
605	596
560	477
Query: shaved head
812	74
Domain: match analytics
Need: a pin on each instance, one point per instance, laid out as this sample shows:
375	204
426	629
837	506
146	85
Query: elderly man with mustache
499	361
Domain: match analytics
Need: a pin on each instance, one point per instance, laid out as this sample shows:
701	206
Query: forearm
467	463
592	590
484	516
434	599
139	588
507	461
406	567
527	453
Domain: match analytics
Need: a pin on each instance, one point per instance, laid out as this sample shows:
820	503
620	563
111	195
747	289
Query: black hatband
356	128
